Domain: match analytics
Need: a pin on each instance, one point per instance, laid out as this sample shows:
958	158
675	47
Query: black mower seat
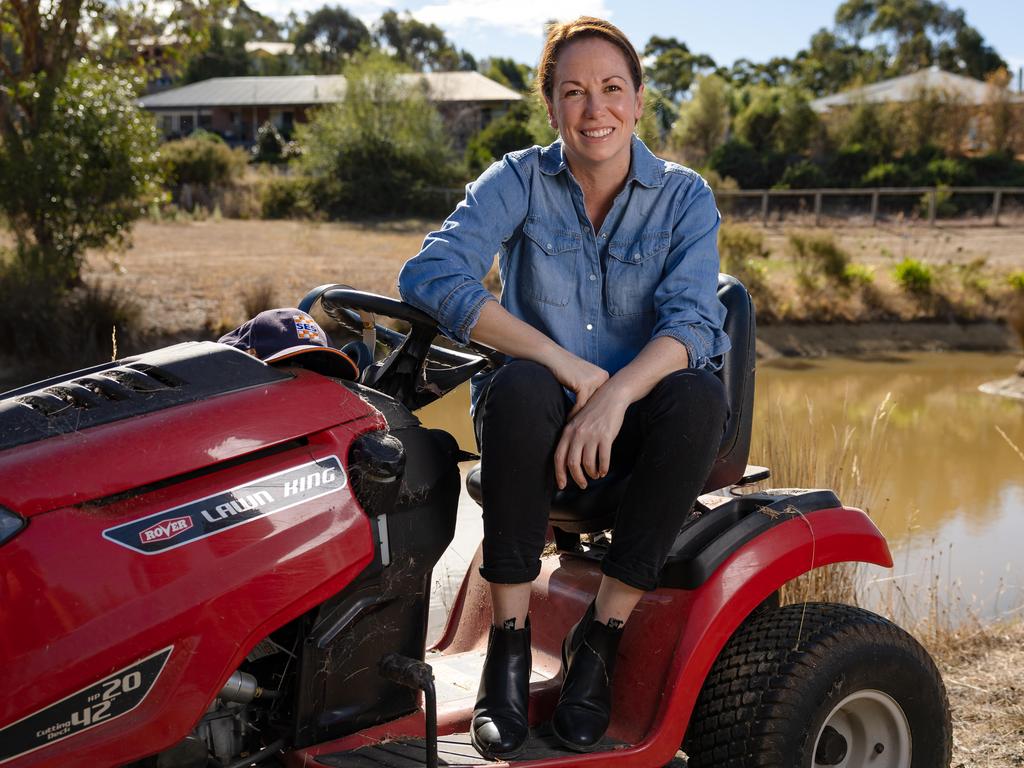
592	510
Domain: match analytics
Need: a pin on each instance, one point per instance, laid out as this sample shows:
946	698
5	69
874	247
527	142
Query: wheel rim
865	726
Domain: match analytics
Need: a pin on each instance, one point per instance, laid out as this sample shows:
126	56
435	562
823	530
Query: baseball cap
276	335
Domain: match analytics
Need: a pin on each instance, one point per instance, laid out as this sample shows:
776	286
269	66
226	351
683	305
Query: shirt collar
644	167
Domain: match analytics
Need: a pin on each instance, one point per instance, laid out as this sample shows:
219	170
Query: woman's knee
692	393
524	383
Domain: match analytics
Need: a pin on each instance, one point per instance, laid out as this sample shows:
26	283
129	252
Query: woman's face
595	106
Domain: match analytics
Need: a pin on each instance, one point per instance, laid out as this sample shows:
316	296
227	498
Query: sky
725	29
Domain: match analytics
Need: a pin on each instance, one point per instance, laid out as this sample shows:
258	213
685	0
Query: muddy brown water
937	477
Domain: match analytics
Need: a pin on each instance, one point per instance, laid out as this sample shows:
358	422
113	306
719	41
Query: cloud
522	17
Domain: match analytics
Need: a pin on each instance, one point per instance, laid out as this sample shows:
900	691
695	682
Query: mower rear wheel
818	684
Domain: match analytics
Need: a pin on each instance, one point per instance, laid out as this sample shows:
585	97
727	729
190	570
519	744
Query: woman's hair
560	35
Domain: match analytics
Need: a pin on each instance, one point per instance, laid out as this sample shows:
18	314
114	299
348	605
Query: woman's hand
585	448
581	378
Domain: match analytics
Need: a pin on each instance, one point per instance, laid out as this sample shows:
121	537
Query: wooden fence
875	193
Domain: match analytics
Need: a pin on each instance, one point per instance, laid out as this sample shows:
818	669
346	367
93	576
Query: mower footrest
456	750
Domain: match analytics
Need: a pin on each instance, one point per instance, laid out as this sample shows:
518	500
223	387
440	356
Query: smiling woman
610	315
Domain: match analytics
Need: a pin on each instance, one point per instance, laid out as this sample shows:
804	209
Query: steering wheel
416	372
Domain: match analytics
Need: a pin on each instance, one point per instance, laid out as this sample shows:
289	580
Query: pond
907	437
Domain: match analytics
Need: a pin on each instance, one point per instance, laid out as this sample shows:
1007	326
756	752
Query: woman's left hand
585	448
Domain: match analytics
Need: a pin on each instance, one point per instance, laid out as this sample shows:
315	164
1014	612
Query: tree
329	37
508	72
224	56
704	120
673	67
912	34
82	151
421	47
505	134
381	148
86	170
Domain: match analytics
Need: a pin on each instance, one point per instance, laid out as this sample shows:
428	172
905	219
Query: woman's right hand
578	376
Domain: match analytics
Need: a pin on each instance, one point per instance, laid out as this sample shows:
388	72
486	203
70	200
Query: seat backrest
737	374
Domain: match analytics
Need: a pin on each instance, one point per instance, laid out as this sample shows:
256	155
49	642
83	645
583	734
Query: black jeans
669	439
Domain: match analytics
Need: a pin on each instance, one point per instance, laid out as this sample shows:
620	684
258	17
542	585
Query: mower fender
751	575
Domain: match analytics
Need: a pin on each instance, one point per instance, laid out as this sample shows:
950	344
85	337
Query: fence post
764	208
874	208
932	204
817	209
996	204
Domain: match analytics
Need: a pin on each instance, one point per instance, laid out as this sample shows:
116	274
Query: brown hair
560	35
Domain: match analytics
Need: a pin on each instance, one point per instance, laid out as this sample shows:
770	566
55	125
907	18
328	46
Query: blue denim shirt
651	270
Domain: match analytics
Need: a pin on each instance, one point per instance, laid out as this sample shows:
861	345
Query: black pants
669	439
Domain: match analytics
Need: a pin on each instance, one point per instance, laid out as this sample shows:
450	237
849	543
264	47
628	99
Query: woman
609	311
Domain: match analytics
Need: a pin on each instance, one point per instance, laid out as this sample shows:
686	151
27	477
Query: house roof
295	90
908	87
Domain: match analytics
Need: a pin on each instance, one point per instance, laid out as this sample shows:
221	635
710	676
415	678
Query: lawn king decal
204	517
103	701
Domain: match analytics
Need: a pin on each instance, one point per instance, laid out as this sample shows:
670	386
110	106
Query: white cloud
522	17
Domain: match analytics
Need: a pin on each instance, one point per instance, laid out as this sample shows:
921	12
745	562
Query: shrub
750	168
80	175
887	174
509	132
802	174
944	205
272	147
381	149
859	275
285	197
201	161
915	277
741	250
1016	281
819	255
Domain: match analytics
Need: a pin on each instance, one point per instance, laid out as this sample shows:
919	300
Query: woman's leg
671	439
519	419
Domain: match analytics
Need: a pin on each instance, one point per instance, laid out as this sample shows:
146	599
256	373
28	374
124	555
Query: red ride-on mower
209	561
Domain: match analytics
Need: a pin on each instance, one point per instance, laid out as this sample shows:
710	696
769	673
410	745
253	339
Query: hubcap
866	725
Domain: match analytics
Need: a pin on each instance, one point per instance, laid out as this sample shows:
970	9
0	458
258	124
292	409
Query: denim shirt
651	270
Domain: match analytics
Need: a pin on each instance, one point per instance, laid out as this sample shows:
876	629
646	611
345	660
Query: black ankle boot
500	724
588	663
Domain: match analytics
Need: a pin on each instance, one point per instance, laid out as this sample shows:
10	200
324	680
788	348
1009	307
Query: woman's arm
497	327
586	442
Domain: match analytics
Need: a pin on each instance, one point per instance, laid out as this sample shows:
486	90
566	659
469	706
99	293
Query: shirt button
636	257
550	247
590	327
604	235
593	277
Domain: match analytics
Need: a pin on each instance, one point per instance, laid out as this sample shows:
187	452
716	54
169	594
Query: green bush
507	133
887	174
944	205
380	150
915	277
802	174
272	147
751	169
1016	281
859	275
819	255
741	249
202	161
285	197
77	182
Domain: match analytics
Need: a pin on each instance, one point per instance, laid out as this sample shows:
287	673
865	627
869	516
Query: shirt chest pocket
634	268
550	258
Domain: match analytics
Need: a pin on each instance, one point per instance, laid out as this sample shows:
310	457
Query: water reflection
945	487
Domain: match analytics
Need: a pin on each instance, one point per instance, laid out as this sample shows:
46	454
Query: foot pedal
413	673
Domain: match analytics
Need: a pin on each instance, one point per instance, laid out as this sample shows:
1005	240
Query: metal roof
908	87
295	90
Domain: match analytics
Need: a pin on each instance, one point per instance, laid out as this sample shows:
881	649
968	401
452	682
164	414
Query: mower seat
576	511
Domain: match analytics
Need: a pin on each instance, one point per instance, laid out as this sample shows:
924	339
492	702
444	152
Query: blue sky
725	29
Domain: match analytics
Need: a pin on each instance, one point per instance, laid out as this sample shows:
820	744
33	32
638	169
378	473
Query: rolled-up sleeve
444	278
686	300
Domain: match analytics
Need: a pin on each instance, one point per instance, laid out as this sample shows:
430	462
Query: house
235	107
973	103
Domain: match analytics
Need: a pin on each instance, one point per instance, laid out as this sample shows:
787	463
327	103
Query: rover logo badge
166	529
210	515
